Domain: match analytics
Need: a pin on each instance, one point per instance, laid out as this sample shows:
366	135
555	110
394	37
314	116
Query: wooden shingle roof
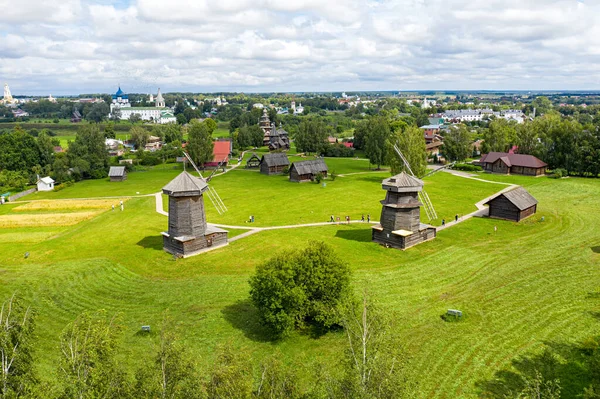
116	171
519	197
402	181
185	185
275	159
524	160
310	167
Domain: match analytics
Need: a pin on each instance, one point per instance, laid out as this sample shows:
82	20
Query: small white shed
45	184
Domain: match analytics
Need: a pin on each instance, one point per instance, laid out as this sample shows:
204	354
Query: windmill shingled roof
403	179
519	197
185	183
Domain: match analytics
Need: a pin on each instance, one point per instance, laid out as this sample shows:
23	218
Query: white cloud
265	45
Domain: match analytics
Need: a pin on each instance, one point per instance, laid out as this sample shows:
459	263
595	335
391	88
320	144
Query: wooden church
188	233
400	223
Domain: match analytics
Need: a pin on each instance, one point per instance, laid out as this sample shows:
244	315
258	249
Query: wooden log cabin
253	162
305	171
507	163
117	173
516	205
274	163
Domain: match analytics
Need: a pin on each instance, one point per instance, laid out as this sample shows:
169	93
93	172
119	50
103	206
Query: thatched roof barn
507	163
400	222
274	163
516	204
188	233
305	171
117	173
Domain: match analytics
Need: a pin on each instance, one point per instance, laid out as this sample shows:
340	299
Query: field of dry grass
45	220
73	205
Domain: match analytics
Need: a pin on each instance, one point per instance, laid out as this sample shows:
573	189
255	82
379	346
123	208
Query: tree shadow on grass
151	242
361	235
566	362
244	316
596	249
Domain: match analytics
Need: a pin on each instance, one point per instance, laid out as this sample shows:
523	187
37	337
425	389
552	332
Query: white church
157	114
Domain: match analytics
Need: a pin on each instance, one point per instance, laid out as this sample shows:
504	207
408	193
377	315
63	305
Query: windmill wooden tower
189	234
400	223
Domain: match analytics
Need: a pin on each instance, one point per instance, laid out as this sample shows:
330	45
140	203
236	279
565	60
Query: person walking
443	222
368	218
362	219
456	217
331	219
121	205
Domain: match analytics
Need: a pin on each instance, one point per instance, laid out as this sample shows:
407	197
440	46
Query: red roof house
221	151
507	163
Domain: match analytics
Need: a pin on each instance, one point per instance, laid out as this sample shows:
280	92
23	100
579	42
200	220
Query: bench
454	312
146	328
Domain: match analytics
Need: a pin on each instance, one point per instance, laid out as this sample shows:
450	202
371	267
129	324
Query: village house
45	184
274	163
516	205
117	173
221	151
507	163
305	171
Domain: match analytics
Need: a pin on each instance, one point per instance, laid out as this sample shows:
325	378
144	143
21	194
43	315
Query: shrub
333	175
307	287
467	167
559	173
286	170
318	177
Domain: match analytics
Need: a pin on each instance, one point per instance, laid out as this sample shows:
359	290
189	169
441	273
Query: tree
200	143
87	155
277	380
499	136
311	136
181	119
375	362
542	105
457	143
109	131
115	115
211	125
19	151
360	133
46	149
231	376
540	388
378	132
139	136
17	368
299	288
135	118
412	145
98	112
172	373
87	367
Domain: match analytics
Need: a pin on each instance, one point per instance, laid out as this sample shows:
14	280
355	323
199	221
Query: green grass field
527	285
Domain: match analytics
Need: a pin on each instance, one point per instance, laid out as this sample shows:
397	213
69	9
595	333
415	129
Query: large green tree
98	112
411	143
457	143
311	136
87	154
378	133
19	151
499	136
299	288
200	142
139	136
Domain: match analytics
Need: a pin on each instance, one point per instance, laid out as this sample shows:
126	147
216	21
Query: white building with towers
158	114
8	98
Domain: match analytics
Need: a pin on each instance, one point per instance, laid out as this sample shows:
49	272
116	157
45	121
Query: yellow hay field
49	219
29	236
68	204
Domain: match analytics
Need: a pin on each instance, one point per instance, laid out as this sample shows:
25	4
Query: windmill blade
438	169
211	193
423	196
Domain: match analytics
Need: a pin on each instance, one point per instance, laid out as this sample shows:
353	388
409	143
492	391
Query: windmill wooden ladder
211	193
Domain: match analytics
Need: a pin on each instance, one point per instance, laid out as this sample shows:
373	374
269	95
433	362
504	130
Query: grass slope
525	285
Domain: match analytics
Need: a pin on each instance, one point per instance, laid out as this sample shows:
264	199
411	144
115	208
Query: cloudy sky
79	46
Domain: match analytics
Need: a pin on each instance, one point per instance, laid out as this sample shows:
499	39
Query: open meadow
530	284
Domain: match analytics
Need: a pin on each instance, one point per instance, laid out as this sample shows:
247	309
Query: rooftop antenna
423	196
210	193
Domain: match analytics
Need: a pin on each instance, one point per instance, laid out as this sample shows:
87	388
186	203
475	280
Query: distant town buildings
8	98
472	115
158	114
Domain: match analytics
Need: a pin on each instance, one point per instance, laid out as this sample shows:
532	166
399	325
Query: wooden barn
274	163
117	173
253	162
189	234
517	164
516	204
305	171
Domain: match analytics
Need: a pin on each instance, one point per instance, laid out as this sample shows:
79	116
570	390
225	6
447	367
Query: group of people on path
333	219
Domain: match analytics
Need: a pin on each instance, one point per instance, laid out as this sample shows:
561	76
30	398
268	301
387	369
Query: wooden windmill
189	233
